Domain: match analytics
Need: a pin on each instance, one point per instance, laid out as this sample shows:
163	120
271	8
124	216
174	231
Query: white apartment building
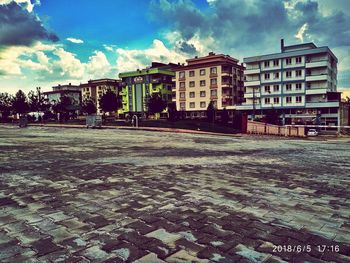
300	83
216	77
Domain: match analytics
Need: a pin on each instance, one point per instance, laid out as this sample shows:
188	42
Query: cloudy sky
43	43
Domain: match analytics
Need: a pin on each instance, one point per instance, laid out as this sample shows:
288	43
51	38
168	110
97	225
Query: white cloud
129	60
301	32
98	65
69	66
75	40
109	47
26	3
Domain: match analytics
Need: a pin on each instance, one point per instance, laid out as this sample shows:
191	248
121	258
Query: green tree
64	106
172	111
211	112
37	101
89	107
224	116
110	102
20	103
5	105
155	104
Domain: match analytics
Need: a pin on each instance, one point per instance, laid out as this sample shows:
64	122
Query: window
202	72
213	82
276	100
213	70
213	93
267	75
298	99
267	89
298	86
277	75
288	61
192	83
192	94
267	64
191	73
202	83
182	84
192	105
203	104
182	105
182	74
276	62
276	88
182	95
289	99
267	100
289	87
298	60
202	93
298	73
289	74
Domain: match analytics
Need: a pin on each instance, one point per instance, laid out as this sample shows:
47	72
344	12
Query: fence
254	127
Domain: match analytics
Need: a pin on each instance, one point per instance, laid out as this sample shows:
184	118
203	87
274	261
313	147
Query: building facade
138	85
300	83
216	77
94	89
69	90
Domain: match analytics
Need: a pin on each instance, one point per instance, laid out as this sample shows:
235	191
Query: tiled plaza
76	195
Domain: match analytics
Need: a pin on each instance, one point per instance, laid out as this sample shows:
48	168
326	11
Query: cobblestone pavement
75	195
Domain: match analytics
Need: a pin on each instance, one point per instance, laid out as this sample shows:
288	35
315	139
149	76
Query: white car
312	132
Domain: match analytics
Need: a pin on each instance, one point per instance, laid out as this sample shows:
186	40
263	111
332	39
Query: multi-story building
300	83
139	85
216	77
69	90
94	89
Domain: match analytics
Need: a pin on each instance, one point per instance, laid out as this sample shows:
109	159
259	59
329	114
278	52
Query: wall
254	127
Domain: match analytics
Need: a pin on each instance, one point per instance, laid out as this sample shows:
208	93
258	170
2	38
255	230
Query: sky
45	43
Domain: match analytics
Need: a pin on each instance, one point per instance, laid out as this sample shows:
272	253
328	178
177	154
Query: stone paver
75	195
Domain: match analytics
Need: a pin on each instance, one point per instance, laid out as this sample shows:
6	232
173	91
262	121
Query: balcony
226	72
311	91
213	86
226	85
156	81
173	88
317	64
182	79
181	89
252	83
182	99
251	95
247	107
214	97
213	75
320	77
322	104
252	71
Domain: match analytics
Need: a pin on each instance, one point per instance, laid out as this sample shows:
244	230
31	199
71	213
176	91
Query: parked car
312	132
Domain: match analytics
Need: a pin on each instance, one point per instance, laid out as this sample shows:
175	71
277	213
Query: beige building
216	77
94	89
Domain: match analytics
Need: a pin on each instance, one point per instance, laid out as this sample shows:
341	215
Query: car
312	132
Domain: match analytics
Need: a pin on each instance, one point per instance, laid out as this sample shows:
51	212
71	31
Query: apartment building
216	77
94	89
68	90
139	85
300	83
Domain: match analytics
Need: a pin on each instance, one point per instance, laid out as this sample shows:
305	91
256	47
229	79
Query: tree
211	112
172	111
89	107
224	116
37	101
155	104
5	105
110	102
20	103
64	106
272	116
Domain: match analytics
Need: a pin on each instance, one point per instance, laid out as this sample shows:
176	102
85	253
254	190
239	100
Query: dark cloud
19	27
187	48
253	25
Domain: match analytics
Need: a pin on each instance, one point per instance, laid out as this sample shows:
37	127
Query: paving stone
183	256
45	246
128	252
164	236
149	258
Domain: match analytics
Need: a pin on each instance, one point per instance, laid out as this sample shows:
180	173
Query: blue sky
43	43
